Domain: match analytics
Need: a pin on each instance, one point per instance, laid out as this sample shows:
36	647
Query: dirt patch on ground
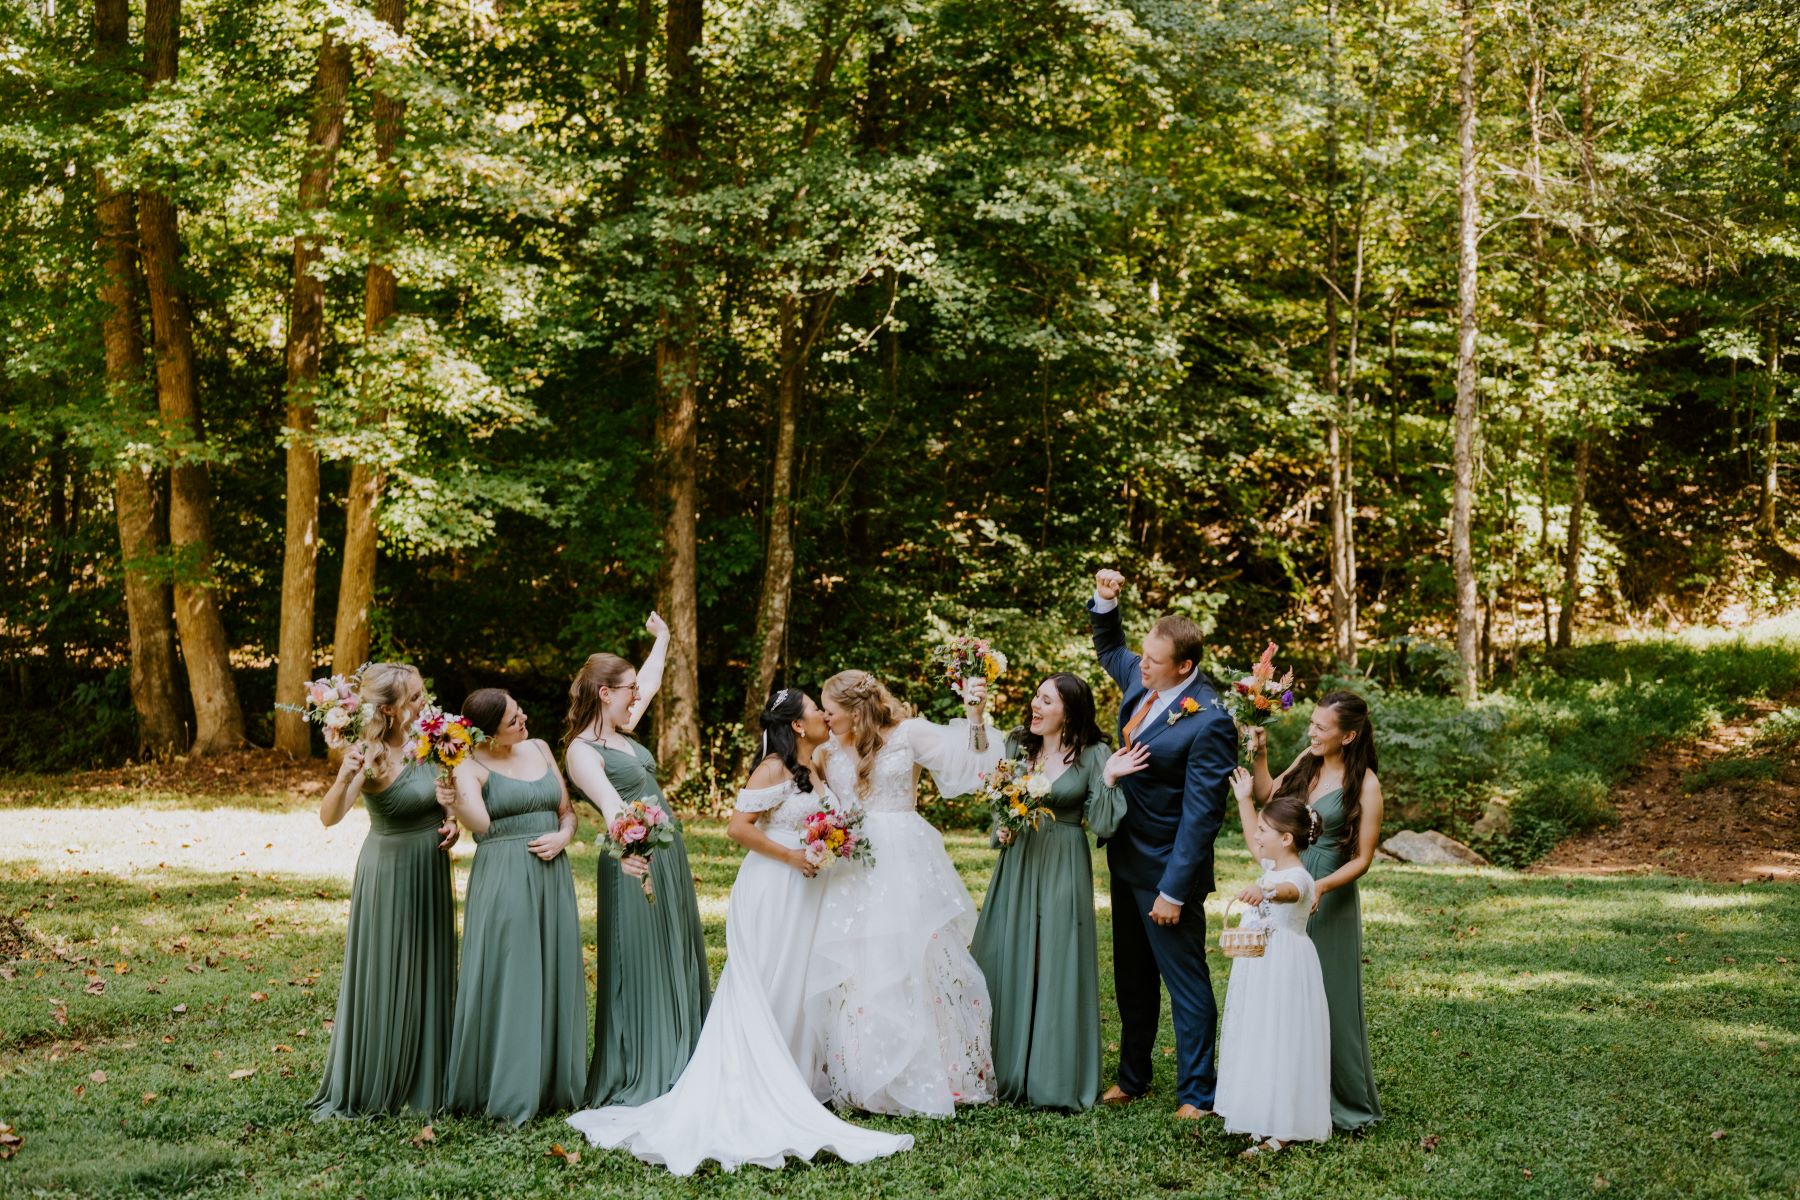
1720	808
243	771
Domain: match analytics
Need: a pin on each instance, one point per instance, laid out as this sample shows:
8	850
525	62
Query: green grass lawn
1532	1036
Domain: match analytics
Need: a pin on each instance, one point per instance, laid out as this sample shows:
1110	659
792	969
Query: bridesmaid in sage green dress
1335	774
652	986
521	1001
1035	939
392	1030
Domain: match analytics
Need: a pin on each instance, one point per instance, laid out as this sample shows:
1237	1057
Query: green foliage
1728	771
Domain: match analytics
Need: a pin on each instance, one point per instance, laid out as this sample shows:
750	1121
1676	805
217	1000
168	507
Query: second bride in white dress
897	1006
743	1097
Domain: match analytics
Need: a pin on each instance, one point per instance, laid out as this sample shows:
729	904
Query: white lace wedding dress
897	1006
744	1097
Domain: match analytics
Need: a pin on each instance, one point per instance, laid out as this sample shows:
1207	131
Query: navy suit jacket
1176	804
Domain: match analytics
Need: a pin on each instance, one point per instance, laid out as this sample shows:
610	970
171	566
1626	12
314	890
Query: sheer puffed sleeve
1105	805
756	800
944	751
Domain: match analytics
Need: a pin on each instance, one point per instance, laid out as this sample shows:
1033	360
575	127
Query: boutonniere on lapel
1187	708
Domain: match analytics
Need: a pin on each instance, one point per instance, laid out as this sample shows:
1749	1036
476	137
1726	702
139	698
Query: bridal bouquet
1013	795
333	705
832	834
638	832
1259	698
962	659
444	739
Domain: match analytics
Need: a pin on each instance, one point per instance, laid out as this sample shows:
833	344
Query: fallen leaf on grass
283	1049
59	1012
246	1073
120	968
1601	1183
1428	1143
569	1156
80	1090
1525	1171
167	1040
100	1077
9	1141
95	987
1718	1135
258	997
149	1097
6	973
417	1141
179	1009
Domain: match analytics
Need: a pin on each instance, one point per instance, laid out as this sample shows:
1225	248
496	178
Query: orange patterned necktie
1138	718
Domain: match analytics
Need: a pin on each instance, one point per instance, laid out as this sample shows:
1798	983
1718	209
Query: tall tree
1571	582
356	588
147	593
677	409
1338	430
305	345
218	718
1766	521
1467	382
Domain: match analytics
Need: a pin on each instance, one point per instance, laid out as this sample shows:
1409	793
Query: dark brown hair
1290	815
1080	730
486	709
1359	761
600	670
1184	636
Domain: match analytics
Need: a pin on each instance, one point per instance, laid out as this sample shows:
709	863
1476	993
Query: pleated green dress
1336	933
651	983
1035	944
521	1001
392	1032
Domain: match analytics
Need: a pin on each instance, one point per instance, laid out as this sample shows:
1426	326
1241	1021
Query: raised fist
1108	583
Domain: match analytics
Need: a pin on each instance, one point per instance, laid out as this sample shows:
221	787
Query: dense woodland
1421	338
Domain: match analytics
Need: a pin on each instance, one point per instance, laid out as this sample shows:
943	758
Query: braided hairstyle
384	686
779	740
872	710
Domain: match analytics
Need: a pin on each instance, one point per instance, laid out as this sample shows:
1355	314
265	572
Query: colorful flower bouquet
638	832
1013	795
833	834
1259	698
443	739
333	705
965	658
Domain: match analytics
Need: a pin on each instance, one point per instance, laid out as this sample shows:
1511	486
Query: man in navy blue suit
1161	857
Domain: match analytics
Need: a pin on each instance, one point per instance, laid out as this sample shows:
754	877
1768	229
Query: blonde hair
384	686
600	670
872	710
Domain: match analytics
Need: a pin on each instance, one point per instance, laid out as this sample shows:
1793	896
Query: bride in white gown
897	1007
744	1096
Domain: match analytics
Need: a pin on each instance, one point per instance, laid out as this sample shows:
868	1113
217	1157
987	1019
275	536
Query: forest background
1437	343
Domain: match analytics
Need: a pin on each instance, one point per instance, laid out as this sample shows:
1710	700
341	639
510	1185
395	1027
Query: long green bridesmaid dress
1035	944
394	1002
1336	933
521	1003
651	984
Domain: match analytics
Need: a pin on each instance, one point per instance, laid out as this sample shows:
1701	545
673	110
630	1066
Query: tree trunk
306	333
1771	480
1343	585
677	410
218	718
1565	620
1467	382
147	595
356	587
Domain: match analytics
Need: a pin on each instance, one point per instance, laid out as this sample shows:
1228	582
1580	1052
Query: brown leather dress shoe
1117	1097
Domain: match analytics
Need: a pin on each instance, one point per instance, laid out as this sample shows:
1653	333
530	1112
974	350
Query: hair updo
1294	817
486	709
786	706
872	709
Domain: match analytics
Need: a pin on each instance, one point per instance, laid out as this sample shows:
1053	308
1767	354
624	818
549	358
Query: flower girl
1275	1050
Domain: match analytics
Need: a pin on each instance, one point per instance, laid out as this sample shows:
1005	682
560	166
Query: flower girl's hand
1242	784
1126	761
1251	895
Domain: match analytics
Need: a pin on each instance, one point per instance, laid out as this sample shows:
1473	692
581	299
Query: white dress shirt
1163	700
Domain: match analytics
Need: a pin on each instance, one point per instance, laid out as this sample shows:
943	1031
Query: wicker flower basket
1240	942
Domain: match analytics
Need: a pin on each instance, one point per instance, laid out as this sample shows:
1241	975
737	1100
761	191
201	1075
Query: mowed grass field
170	971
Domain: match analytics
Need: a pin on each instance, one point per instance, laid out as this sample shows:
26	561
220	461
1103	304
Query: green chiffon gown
1336	933
521	1002
651	983
394	1002
1035	944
